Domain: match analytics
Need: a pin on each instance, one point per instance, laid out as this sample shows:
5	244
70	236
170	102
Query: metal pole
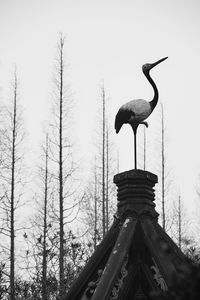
135	147
144	148
135	151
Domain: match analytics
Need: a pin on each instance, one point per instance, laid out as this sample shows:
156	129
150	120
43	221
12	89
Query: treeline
49	222
49	230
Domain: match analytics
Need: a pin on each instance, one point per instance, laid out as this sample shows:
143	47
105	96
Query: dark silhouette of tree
12	196
65	205
44	258
99	204
165	188
163	168
61	220
103	162
12	135
41	240
181	224
108	162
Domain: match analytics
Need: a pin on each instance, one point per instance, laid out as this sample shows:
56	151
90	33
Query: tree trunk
61	256
107	178
44	262
95	207
12	198
103	166
179	223
163	167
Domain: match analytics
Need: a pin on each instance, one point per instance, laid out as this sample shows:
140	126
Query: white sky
111	40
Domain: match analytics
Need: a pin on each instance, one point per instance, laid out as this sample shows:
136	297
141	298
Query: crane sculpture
136	111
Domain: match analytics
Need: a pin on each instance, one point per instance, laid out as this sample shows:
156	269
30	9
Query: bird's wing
122	117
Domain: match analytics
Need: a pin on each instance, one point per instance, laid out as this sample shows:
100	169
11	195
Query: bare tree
61	208
41	252
44	261
98	208
92	208
196	216
107	178
165	188
163	166
103	162
95	207
181	224
12	138
61	148
108	165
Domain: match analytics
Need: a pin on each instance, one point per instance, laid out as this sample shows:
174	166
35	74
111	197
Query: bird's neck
154	101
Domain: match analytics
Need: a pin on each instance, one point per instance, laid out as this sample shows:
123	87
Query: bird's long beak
158	62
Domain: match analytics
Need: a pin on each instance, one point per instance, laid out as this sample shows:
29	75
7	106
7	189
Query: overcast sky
109	40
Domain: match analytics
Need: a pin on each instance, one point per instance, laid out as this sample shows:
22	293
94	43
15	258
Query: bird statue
136	111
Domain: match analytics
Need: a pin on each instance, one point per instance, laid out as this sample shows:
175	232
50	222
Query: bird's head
147	67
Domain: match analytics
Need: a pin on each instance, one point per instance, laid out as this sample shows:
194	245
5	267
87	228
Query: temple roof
136	256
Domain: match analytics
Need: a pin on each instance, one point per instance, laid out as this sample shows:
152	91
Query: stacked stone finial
135	192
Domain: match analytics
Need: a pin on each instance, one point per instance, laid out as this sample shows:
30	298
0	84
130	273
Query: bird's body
136	111
133	112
